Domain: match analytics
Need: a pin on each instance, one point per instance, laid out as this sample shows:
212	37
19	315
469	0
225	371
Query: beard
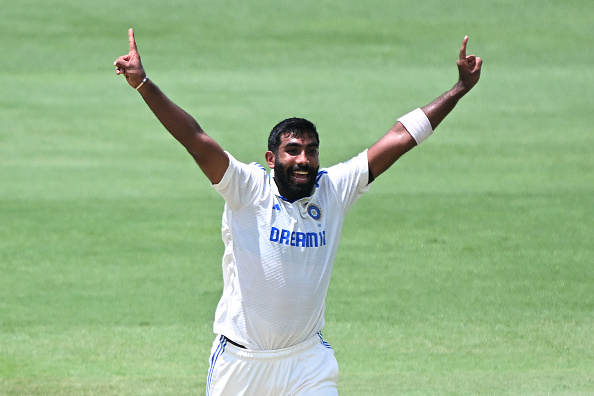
282	175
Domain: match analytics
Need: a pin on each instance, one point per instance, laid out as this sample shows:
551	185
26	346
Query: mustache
307	168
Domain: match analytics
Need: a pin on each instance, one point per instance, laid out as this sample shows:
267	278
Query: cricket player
281	231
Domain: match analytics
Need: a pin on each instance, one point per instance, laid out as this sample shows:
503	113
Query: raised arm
182	126
421	122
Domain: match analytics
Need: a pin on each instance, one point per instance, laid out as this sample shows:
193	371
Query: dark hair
294	127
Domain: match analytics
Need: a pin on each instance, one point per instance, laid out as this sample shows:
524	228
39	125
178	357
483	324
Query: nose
302	158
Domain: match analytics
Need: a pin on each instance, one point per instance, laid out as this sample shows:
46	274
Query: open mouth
300	176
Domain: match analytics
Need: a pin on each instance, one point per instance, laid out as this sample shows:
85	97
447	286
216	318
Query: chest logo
314	211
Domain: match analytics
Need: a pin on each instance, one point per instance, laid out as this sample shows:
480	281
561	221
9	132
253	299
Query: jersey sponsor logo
299	239
314	211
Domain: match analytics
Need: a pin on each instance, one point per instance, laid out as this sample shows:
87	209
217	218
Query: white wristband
417	124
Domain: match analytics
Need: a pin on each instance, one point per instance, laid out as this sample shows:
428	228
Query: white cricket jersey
278	255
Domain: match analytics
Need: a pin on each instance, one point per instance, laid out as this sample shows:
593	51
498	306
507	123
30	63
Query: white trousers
306	369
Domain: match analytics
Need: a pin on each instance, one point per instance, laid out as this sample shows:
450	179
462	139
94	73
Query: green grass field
468	269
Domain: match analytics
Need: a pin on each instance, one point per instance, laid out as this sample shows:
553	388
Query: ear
270	157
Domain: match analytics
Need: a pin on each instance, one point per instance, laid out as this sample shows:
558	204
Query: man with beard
281	233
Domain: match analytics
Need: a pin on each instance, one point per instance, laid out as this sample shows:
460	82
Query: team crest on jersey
314	211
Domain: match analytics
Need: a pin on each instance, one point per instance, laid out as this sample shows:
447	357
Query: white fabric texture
417	124
309	368
278	255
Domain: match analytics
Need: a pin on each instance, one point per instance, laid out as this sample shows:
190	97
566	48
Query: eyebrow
295	144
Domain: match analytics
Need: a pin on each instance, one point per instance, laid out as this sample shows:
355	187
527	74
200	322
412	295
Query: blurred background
467	269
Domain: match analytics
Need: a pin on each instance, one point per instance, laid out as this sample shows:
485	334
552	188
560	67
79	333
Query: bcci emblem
314	212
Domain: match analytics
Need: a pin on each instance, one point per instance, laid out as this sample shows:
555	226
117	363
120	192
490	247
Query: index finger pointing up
462	49
132	41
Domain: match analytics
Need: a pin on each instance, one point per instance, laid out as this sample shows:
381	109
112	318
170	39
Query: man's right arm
182	126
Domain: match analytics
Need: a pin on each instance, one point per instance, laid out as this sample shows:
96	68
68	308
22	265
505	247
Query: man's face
295	166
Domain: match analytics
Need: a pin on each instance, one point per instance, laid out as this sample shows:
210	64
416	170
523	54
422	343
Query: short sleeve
242	183
351	179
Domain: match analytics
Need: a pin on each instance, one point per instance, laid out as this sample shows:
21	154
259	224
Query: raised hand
469	67
130	65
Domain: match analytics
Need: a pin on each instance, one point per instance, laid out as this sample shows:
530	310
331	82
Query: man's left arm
413	128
